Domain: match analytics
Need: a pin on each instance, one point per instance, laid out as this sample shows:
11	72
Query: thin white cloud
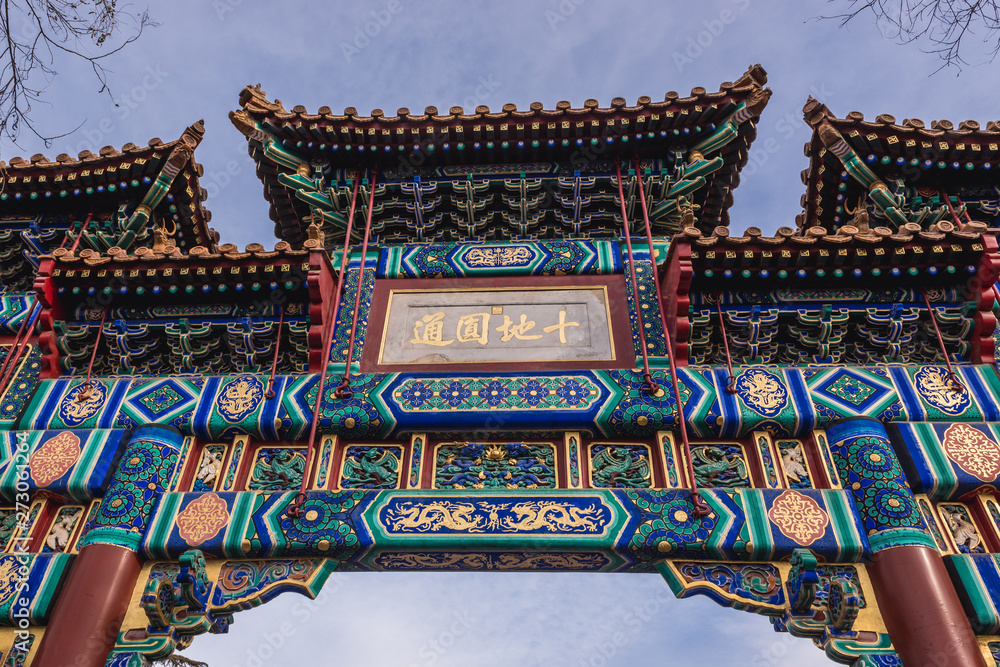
500	619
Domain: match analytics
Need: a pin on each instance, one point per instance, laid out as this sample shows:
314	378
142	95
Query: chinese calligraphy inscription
497	325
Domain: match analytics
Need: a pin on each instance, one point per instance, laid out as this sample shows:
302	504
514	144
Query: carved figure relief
720	466
209	467
277	469
793	462
371	468
963	530
620	466
62	528
526	465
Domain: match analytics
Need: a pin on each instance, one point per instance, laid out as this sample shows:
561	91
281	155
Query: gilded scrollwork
490	256
507	561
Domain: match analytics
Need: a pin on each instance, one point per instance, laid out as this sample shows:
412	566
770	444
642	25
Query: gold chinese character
511	330
474	327
561	326
433	326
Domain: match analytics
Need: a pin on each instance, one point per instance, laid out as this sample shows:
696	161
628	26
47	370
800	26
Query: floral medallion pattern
54	458
972	451
668	525
798	517
202	519
868	467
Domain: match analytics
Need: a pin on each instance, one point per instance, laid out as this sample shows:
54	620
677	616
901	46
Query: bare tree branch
941	27
35	31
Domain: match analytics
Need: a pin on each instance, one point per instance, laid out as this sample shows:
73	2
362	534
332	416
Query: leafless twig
940	26
34	32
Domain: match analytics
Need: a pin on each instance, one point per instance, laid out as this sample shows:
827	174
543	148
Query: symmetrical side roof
906	173
118	201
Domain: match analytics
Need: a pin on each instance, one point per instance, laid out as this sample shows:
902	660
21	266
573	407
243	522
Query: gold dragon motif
555	516
240	397
494	517
435	515
82	402
762	392
9	577
508	561
490	257
934	384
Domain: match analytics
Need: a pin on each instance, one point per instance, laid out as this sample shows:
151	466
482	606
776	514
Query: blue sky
447	52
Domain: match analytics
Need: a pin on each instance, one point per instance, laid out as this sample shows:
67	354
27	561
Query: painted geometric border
621	407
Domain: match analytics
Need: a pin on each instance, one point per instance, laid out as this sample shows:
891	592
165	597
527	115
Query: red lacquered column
90	609
918	602
921	609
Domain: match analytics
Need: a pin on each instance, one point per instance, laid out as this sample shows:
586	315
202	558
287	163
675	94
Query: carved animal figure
614	466
860	217
713	467
160	239
210	467
964	532
315	232
795	467
59	535
373	468
687	210
281	470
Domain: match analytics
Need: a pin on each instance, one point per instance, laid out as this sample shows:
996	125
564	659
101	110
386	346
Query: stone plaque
497	325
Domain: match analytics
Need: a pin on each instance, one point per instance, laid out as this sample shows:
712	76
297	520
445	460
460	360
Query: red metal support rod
329	322
731	385
85	393
700	507
944	351
650	385
277	352
361	283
